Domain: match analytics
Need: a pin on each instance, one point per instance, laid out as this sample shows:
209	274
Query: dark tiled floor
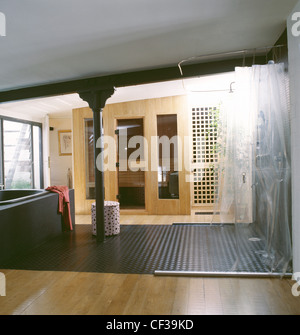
144	249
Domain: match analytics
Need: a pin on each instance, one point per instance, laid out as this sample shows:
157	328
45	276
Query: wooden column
96	100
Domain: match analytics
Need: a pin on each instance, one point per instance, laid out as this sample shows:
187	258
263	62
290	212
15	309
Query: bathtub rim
39	193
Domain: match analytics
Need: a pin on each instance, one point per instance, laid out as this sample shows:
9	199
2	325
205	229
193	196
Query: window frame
41	168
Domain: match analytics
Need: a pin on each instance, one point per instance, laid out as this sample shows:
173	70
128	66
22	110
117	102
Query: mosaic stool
111	218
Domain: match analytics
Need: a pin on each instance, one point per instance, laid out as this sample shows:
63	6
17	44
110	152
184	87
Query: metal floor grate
146	249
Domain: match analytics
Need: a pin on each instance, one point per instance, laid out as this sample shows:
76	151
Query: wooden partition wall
148	110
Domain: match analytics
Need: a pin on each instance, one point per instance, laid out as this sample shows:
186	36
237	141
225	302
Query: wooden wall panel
148	110
82	205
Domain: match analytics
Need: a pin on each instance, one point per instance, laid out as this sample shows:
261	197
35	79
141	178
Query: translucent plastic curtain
254	169
234	194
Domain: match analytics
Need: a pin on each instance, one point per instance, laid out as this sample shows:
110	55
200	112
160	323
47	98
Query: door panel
168	184
131	178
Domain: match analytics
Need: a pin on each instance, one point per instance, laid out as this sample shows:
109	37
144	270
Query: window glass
17	145
37	156
21	157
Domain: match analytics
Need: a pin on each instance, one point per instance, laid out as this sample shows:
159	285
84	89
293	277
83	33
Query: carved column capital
96	98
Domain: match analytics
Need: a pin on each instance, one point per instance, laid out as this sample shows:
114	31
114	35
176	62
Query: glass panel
37	149
17	155
89	158
131	155
168	186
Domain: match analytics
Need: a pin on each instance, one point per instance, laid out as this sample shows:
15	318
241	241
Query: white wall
294	73
59	165
4	111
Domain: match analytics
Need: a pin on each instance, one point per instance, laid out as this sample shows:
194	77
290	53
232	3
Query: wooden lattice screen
204	134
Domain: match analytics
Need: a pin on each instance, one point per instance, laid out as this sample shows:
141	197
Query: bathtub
29	218
13	196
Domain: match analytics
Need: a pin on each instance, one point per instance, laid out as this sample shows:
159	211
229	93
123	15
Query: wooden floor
77	293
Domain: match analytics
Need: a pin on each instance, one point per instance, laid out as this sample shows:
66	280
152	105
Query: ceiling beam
128	79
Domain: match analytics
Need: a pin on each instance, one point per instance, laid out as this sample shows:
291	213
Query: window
21	154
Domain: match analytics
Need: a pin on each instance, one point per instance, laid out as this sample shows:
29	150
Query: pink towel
63	204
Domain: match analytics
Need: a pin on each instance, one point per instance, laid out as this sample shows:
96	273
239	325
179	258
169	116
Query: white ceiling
51	41
61	106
